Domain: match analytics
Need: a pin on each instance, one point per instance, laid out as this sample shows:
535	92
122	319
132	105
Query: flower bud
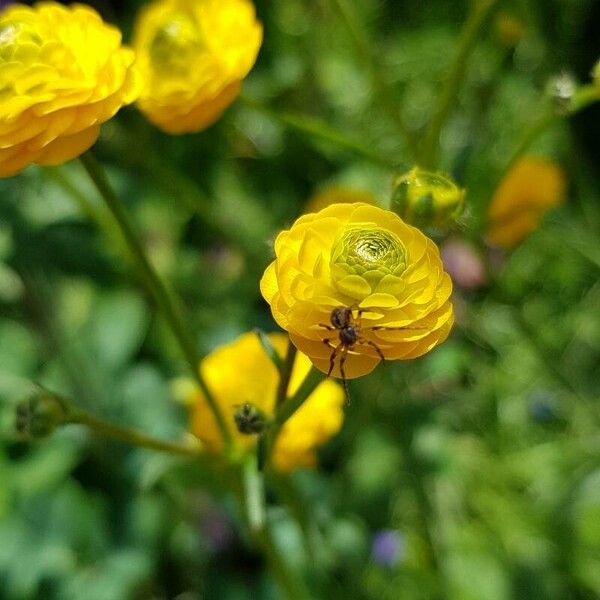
39	415
249	420
427	200
561	90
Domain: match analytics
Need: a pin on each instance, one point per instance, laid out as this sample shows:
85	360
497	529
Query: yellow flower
529	189
365	258
63	72
194	55
427	200
241	373
338	194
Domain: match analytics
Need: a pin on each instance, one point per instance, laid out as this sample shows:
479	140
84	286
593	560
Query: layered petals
194	55
367	259
63	72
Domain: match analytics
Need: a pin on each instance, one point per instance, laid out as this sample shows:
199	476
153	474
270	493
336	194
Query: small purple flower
388	547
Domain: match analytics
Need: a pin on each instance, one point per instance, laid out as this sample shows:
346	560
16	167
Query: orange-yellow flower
531	187
366	258
63	72
194	55
241	373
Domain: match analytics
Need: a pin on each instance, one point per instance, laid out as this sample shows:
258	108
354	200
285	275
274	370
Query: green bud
561	90
39	415
427	200
249	420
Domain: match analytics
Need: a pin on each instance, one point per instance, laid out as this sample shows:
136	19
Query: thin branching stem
317	129
381	91
481	11
154	284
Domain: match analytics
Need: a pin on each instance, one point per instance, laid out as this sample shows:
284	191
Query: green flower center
175	45
366	258
16	36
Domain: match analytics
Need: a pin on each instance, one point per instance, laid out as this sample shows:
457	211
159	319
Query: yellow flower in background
241	373
338	194
364	258
530	188
63	72
194	55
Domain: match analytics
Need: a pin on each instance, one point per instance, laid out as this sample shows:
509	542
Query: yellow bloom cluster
367	259
194	55
240	373
530	188
63	72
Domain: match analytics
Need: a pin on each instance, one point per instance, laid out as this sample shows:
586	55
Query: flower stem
584	96
252	497
319	130
313	378
130	436
364	47
480	12
157	289
286	374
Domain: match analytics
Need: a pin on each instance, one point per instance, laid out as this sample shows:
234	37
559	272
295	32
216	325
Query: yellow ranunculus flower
241	373
364	258
63	72
194	55
530	188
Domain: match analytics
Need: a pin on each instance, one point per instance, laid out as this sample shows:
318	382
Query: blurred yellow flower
530	188
63	72
241	373
364	258
194	55
338	194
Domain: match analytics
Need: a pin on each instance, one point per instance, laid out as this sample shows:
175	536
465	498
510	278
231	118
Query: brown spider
349	328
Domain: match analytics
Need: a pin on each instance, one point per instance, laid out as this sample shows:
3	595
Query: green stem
163	299
252	498
130	436
313	378
584	97
364	46
480	12
286	374
319	130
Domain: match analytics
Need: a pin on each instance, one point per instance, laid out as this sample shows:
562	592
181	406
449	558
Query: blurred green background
487	450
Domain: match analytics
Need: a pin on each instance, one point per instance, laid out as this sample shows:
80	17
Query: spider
349	335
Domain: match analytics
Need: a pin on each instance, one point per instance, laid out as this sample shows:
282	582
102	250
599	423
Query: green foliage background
489	447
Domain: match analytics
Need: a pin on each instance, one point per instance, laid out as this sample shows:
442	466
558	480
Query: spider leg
373	345
336	349
327	342
384	328
328	327
343	373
